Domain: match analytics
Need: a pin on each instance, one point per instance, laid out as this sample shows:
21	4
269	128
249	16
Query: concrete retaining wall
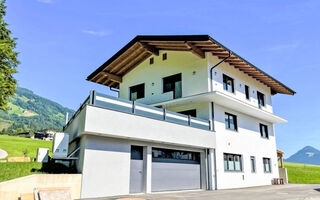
11	190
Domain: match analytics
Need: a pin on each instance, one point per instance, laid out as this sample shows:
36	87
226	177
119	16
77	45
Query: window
253	164
192	113
232	162
228	83
175	156
231	121
264	131
136	152
151	61
260	97
267	165
164	56
247	92
173	83
137	92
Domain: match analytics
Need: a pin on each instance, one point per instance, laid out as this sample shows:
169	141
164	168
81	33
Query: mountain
30	112
307	155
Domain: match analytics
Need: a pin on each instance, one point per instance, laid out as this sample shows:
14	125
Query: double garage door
171	170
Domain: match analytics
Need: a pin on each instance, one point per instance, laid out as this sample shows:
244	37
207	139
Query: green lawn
16	146
302	173
18	169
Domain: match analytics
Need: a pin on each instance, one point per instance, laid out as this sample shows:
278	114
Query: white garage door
175	170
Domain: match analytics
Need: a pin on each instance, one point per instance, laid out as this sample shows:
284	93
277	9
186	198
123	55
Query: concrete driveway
274	192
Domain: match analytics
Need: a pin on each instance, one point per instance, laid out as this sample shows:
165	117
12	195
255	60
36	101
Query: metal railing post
189	120
164	114
133	106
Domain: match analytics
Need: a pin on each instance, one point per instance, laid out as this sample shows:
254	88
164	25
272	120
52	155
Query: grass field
16	146
302	173
18	169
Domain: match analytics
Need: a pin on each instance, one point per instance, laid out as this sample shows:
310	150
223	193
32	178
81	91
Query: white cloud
97	33
45	1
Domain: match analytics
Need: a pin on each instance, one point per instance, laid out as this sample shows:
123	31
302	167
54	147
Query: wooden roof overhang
142	47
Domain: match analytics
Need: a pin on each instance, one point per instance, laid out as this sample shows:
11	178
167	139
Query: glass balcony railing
132	107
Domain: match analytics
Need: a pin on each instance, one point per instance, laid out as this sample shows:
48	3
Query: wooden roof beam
112	77
149	48
131	63
195	50
126	59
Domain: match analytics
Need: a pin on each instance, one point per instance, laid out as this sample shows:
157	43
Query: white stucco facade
106	136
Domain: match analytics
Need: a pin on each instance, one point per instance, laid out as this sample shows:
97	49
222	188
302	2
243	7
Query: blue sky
62	41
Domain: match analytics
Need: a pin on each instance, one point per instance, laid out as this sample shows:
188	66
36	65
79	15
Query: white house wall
240	80
246	142
193	69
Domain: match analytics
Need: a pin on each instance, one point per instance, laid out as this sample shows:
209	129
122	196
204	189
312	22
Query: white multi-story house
191	114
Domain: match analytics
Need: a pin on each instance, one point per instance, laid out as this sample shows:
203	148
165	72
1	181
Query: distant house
45	134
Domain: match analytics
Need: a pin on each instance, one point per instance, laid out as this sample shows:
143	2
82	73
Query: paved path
274	192
3	153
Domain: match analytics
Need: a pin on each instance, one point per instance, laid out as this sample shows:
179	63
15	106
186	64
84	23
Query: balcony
225	100
105	115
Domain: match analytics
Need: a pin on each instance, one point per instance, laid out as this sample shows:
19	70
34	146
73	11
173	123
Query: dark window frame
253	164
226	157
227	78
264	165
247	92
261	99
139	96
264	128
172	79
235	121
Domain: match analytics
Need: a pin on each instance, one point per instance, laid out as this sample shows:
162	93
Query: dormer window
137	92
260	97
228	83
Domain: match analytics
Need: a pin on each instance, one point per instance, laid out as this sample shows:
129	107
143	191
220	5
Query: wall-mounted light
215	73
152	84
194	73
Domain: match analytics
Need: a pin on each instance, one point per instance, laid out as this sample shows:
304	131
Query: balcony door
173	83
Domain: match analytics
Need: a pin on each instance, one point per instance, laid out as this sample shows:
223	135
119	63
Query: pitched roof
143	46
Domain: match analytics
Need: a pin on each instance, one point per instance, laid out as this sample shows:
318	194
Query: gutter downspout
212	116
114	90
216	65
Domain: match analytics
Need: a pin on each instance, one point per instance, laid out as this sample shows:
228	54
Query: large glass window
231	121
173	83
232	162
175	156
260	97
137	92
253	164
264	131
267	165
228	83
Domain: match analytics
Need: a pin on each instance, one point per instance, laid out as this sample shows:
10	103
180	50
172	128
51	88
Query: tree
8	60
